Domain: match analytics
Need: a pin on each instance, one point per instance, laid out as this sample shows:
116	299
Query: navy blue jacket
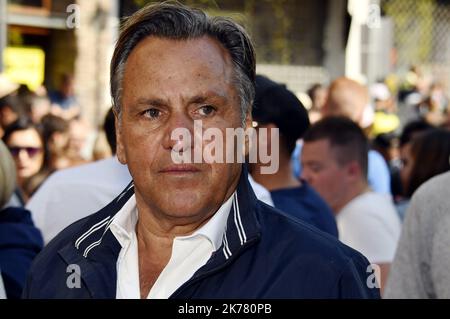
304	203
20	242
267	254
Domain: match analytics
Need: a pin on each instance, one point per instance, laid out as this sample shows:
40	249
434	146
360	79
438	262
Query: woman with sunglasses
26	144
20	240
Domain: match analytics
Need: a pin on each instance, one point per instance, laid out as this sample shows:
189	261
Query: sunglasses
31	151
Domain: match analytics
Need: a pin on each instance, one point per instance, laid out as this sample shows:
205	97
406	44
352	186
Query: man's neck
354	190
284	178
155	237
154	252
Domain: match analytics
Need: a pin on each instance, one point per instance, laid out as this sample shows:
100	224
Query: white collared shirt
189	253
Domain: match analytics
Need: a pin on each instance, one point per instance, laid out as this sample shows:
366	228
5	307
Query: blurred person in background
387	144
347	98
39	107
421	266
350	99
104	146
26	144
428	155
409	132
335	160
414	88
318	95
78	148
63	100
56	136
8	114
277	107
385	118
11	109
20	241
433	108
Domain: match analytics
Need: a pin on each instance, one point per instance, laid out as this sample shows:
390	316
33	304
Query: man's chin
185	212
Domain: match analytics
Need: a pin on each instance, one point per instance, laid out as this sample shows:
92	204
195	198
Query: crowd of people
357	184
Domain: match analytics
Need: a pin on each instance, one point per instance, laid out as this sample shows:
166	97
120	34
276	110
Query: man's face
167	85
322	171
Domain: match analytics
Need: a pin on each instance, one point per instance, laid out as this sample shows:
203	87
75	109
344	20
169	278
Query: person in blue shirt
277	107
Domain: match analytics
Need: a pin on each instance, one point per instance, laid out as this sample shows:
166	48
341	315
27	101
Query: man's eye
152	113
206	110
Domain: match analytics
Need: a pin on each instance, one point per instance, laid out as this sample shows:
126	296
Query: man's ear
120	152
354	170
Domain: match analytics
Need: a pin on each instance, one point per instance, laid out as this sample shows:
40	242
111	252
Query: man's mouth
180	169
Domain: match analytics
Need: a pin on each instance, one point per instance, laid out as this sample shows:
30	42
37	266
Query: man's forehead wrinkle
205	49
187	72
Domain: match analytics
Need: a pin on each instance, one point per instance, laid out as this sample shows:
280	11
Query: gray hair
175	21
7	175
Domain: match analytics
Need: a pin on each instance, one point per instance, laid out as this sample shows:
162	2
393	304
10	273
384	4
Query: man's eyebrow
196	99
208	96
151	101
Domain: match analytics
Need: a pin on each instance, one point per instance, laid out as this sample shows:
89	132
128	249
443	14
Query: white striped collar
236	218
215	228
124	223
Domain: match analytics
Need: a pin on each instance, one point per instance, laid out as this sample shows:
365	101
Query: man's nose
179	132
23	155
305	175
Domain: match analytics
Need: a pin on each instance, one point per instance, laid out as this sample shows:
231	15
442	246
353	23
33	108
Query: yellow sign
25	66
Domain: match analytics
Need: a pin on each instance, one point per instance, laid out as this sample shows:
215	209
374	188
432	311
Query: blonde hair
7	174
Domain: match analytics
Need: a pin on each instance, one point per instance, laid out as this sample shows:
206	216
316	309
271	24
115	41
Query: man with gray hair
189	230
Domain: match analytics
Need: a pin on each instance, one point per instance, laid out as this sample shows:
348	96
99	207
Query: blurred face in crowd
322	171
40	107
27	150
77	138
320	97
192	80
407	164
7	116
67	88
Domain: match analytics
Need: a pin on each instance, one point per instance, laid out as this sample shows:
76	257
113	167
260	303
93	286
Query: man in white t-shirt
334	160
